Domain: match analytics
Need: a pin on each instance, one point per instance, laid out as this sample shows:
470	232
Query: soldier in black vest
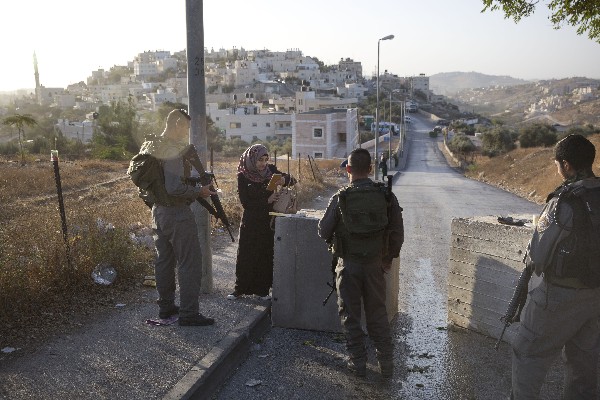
562	313
363	224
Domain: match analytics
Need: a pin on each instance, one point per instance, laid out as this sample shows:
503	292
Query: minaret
38	91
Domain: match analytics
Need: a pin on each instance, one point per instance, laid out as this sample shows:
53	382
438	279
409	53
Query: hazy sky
72	37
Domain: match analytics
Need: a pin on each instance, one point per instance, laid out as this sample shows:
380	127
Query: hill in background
448	83
566	102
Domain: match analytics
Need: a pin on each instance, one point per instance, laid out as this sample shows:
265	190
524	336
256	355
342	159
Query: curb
206	377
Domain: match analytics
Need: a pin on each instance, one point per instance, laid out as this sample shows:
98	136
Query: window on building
217	118
234	125
268	124
254	124
288	124
318	154
317	133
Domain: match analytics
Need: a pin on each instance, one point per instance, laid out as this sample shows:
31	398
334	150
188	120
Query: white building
325	133
420	82
246	122
155	100
309	101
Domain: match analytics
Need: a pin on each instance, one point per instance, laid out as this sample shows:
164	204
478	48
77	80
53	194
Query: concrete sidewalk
116	355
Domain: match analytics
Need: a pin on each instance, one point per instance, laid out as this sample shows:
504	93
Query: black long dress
254	265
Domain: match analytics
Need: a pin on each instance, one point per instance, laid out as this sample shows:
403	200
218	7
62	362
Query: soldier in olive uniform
364	259
562	313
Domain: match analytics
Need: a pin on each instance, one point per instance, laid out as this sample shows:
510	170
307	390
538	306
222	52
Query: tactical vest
578	255
360	234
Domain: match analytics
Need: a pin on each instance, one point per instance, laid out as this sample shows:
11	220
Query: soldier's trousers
557	319
357	281
177	244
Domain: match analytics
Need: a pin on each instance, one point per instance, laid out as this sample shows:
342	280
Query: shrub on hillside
537	135
586	130
496	141
461	144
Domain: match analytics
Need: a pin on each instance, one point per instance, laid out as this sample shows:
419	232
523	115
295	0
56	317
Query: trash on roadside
119	305
149	280
263	356
103	226
104	274
8	349
253	382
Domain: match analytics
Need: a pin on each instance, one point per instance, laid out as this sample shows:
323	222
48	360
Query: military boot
358	367
387	368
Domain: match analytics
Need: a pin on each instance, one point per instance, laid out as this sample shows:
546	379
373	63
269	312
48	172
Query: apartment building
325	133
351	66
248	123
307	100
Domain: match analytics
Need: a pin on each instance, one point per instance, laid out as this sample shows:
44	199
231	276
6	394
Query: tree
582	14
20	121
537	134
496	141
118	130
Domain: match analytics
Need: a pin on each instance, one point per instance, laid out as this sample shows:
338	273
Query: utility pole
194	11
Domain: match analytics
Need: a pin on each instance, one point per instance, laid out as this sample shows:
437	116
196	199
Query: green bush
586	130
536	135
461	144
498	140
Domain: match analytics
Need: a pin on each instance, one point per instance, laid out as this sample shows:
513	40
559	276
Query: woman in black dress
254	265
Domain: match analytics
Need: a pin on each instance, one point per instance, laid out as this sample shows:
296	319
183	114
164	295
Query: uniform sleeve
174	183
548	233
328	222
395	231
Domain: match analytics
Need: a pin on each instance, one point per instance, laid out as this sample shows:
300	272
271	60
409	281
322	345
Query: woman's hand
273	198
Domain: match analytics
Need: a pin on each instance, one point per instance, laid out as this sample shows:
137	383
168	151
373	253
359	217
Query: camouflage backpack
360	235
146	172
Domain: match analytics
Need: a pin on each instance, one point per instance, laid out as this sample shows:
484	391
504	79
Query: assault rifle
517	302
334	262
216	208
207	178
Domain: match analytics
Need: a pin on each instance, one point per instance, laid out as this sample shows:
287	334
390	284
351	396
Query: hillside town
250	95
563	102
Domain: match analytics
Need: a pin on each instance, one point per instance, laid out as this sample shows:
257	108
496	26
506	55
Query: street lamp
388	37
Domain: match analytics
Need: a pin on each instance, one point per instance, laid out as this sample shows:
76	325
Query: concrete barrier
485	263
301	270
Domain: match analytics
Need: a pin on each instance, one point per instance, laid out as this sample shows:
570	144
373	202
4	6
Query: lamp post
376	175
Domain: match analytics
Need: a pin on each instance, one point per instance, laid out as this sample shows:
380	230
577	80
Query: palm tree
20	121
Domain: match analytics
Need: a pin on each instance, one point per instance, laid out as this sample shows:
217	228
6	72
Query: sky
72	38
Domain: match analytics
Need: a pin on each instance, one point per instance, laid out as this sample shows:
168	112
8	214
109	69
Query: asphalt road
431	361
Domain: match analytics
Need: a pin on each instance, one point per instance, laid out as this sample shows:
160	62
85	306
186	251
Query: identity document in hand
274	182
